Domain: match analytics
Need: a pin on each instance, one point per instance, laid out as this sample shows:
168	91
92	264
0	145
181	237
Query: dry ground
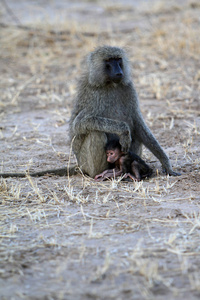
73	238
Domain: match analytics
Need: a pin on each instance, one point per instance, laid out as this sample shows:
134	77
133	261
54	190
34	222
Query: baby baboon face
113	69
113	155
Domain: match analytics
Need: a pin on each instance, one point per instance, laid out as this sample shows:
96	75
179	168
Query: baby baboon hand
99	177
125	140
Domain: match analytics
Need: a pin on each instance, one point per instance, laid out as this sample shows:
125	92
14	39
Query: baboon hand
170	172
101	176
125	140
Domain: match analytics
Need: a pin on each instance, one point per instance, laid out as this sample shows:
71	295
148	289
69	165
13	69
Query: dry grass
74	238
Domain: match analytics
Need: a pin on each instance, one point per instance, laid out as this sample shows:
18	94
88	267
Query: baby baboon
127	164
106	105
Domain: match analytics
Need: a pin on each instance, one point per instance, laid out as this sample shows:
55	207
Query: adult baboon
107	105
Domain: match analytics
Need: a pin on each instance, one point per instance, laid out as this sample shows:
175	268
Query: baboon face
113	70
113	155
108	65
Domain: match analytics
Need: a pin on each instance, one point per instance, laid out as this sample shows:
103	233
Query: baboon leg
136	147
92	157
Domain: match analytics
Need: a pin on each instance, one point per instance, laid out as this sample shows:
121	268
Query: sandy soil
73	238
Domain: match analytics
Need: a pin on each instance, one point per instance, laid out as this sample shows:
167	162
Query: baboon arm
148	139
84	125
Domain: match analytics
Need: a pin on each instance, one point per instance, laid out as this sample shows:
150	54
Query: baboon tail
66	171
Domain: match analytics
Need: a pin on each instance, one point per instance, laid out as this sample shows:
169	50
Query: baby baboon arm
94	123
110	173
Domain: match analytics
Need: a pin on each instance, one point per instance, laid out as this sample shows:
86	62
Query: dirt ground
74	238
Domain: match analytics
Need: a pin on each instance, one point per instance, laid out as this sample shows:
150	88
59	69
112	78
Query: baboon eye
107	65
120	62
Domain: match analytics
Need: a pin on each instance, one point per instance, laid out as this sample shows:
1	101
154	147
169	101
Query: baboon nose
119	75
117	78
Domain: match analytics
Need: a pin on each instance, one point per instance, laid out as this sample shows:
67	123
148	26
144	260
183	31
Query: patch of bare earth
73	238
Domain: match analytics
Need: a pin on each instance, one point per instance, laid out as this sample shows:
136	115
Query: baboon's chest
114	106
